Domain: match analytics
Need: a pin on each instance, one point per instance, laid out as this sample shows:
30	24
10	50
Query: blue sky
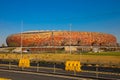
84	15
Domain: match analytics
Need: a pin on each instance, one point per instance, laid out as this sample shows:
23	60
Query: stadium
60	38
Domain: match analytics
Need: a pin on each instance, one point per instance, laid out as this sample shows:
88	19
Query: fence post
74	71
37	67
9	65
97	72
22	67
54	68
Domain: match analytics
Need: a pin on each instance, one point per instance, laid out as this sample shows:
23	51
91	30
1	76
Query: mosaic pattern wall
60	38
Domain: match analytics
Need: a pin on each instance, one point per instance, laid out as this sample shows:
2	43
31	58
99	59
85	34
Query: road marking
110	73
45	74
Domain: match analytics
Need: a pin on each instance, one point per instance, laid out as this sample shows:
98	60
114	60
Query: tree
118	44
3	45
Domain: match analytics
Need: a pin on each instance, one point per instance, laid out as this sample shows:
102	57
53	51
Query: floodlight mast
21	38
53	42
70	38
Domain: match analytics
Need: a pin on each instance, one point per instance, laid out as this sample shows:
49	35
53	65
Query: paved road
19	75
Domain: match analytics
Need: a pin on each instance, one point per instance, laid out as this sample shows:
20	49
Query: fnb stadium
60	38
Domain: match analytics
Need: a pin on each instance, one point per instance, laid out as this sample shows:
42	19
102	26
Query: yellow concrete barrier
5	79
73	66
24	63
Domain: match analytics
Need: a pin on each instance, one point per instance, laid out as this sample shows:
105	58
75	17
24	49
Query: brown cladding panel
60	38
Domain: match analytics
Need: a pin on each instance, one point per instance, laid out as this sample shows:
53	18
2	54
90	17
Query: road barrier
70	66
4	79
24	63
73	66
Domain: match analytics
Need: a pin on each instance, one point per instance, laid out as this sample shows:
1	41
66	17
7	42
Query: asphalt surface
20	75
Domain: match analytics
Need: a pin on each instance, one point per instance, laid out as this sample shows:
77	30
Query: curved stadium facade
60	38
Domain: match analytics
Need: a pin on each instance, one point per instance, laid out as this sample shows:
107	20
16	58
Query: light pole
21	37
53	45
70	38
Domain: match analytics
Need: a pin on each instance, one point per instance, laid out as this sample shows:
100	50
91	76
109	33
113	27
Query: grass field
104	54
99	58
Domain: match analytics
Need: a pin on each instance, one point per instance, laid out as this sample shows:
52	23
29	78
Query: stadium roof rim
42	31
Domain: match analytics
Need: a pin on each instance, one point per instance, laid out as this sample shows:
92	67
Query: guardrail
92	72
